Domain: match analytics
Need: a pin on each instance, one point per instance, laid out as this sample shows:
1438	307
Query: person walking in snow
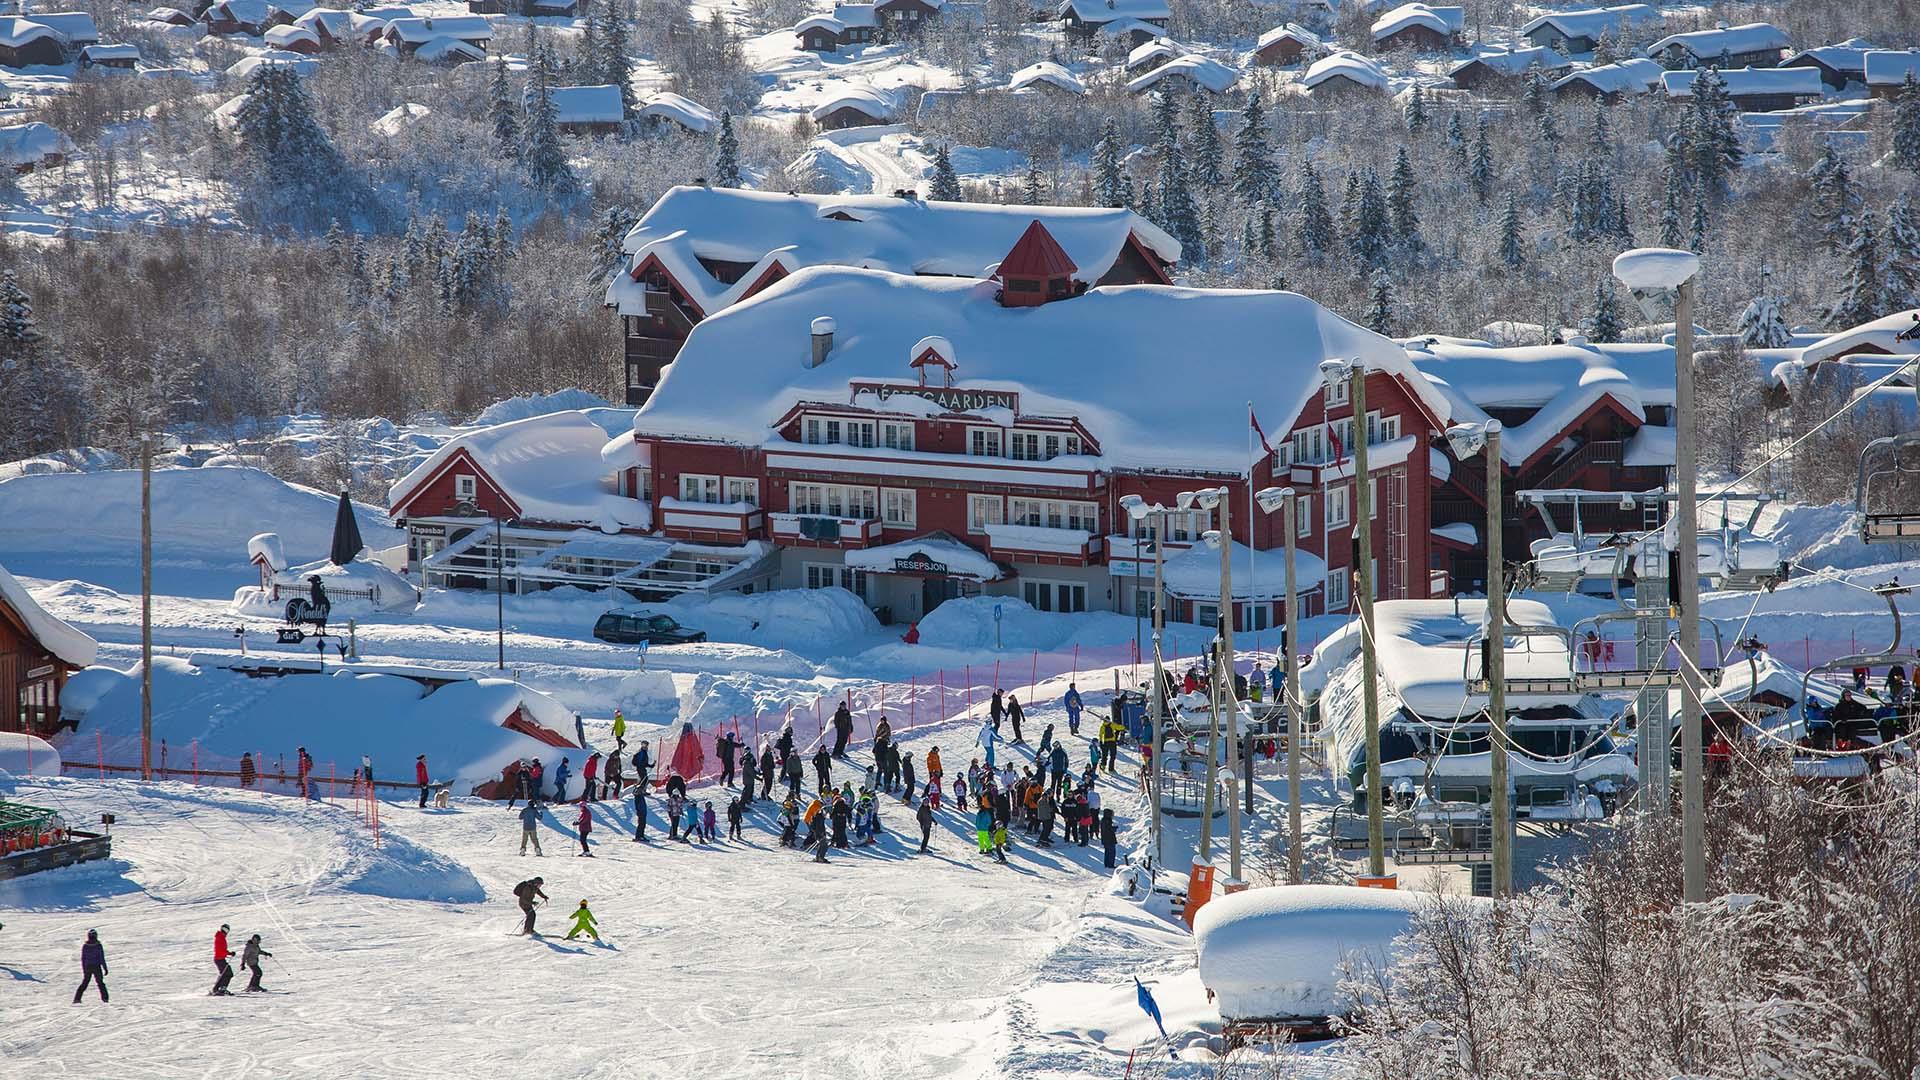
842	729
793	772
527	892
583	824
246	770
421	777
611	785
924	816
988	734
93	967
250	955
643	764
1014	716
823	769
789	823
997	708
690	826
536	779
639	812
784	744
1110	732
709	825
766	772
560	774
1057	761
522	784
366	772
735	813
906	776
583	923
221	956
934	771
619	730
983	827
590	772
840	816
304	764
1107	838
530	827
1074	705
676	803
1046	741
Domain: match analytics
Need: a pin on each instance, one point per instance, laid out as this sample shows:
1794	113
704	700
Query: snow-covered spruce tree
1901	242
615	60
1606	323
1179	214
1254	175
1834	200
1033	189
1858	297
1316	232
293	174
1512	248
1372	238
1549	133
1763	324
1110	184
504	113
1480	169
726	162
1207	154
1713	137
544	156
1457	138
1403	216
1600	135
1416	111
1672	205
1606	49
1380	303
1906	125
1701	226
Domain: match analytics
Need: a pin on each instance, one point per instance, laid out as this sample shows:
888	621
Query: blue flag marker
1152	1008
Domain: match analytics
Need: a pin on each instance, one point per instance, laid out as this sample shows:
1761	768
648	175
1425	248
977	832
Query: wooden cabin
37	653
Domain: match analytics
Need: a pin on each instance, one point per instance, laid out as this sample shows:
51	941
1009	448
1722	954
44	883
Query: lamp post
1355	373
1655	275
1222	539
146	605
1287	503
1468	440
499	595
1139	509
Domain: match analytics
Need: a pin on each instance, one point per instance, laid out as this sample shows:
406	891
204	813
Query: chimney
823	328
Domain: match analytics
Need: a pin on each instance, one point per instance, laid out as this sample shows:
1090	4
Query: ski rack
1618	679
1880	461
1884	658
1555	685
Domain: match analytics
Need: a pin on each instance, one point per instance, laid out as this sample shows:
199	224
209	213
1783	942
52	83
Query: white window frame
743	489
1339	506
862	433
986	442
899	508
811	431
1025	446
1303	516
1338	392
1070	445
984	510
895	435
1373	498
699	488
1336	590
466	487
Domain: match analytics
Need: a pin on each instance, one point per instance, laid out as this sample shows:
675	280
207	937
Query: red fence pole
99	754
195	746
913	700
1033	678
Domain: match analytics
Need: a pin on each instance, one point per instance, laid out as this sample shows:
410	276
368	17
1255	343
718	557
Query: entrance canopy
937	554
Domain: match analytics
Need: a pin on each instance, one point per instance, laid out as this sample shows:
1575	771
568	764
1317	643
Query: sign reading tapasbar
950	398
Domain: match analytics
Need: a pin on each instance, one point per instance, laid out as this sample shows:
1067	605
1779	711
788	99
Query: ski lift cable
1713	691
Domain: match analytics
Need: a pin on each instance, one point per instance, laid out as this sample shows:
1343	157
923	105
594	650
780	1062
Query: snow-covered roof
1592	22
907	236
447	47
1119	28
28	755
1848	59
820	22
1635	76
399	118
1295	32
421	29
299	62
549	465
1741	82
31	143
1102	11
1149	52
686	112
1515	62
111	52
1880	334
168	14
74	27
1444	21
1422	655
1653	446
1046	71
871	100
855	15
1194	574
588	104
1203	72
251	12
1345	65
16	32
281	37
1101	357
1709	44
1885	67
960	559
70	645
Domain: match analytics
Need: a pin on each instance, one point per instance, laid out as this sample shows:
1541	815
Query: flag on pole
1152	1008
1258	430
1339	449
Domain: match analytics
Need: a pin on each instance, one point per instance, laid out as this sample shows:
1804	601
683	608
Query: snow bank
27	755
365	585
400	869
809	620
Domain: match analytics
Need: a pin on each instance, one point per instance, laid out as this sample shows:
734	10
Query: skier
983	827
882	736
708	824
250	956
584	825
246	770
590	772
610	787
997	708
725	746
1107	838
842	728
690	828
925	817
784	744
789	823
560	774
823	769
906	776
960	793
421	777
793	769
220	955
840	816
734	814
1074	705
583	924
525	892
639	812
988	735
1015	715
305	766
1057	761
530	827
642	765
1044	807
933	768
522	784
93	967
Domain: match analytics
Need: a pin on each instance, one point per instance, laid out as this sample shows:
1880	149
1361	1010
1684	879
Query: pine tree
41	398
414	250
1033	191
1605	324
1672	232
1416	111
295	171
545	157
1762	324
1902	245
1372	238
1207	155
946	182
726	165
336	241
1380	306
1457	137
1254	175
1600	140
502	235
1606	49
506	118
1701	227
1316	221
1835	200
1401	212
357	260
1480	172
1267	237
1179	214
20	337
1859	296
1110	184
1906	125
1550	132
1512	247
1712	134
1350	207
615	58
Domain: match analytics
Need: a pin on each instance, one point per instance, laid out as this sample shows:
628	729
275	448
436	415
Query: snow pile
32	143
399	869
1195	572
798	619
967	623
531	405
27	755
1654	268
686	112
70	645
1048	72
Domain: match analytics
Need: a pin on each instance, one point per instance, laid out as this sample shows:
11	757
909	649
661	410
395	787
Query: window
696	488
743	489
828	575
1303	517
1206	614
1338	513
1389	429
982	511
1373	498
983	442
812	433
1254	616
860	433
1052	443
897	507
1055	595
1070	444
1026	446
466	487
1053	514
1187	528
1336	591
833	500
896	436
1338	392
1282	456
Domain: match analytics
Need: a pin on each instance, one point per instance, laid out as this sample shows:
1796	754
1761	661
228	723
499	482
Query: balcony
825	531
727	523
1039	544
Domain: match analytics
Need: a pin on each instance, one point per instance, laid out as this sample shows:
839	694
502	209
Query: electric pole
146	605
1294	725
1686	461
1228	688
1496	665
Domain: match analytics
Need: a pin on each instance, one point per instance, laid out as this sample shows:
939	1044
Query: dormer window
1035	271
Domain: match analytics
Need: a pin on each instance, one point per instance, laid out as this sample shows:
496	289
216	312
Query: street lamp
1283	499
1210	499
1138	509
1657	276
1467	440
1355	374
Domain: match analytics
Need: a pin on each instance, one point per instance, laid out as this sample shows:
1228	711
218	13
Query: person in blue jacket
93	966
1279	680
1058	762
1074	705
983	827
560	774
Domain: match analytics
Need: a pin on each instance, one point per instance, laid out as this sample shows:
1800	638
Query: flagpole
1253	593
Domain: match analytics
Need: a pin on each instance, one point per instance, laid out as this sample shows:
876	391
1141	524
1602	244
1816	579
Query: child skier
584	823
734	814
583	924
250	959
708	823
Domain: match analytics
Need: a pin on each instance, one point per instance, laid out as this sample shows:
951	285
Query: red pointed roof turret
1036	255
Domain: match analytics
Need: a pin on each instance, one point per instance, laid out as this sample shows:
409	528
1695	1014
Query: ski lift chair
1590	677
1884	658
1887	491
1518	686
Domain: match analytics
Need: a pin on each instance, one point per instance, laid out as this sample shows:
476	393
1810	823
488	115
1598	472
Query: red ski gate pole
99	756
913	700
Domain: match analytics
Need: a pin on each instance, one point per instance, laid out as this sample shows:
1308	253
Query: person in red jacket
590	772
220	955
421	777
584	824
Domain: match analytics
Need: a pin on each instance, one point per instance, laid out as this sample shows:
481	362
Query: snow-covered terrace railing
1078	544
743	519
825	530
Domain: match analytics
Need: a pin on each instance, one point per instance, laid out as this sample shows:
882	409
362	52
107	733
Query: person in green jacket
619	730
583	924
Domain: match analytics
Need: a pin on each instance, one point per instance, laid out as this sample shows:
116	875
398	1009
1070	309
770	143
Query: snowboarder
220	956
906	776
583	924
590	772
1074	705
823	769
530	827
583	823
421	777
525	893
726	746
924	816
560	774
1015	715
734	815
997	708
250	955
1107	838
93	966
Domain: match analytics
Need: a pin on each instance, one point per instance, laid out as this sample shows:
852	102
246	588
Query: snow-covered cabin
110	57
293	38
76	28
1046	77
662	108
702	249
398	119
244	68
1418	27
532	9
1082	19
1151	54
1897	334
1611	82
1579	31
864	414
170	16
409	35
1754	89
854	106
588	110
34	145
1887	70
1130	33
849	25
37	653
1189	73
1747	45
29	43
237	17
902	17
1344	72
448	50
1506	68
333	27
1838	64
1285	46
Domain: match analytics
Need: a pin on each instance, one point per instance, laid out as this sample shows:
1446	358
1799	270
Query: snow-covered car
630	628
